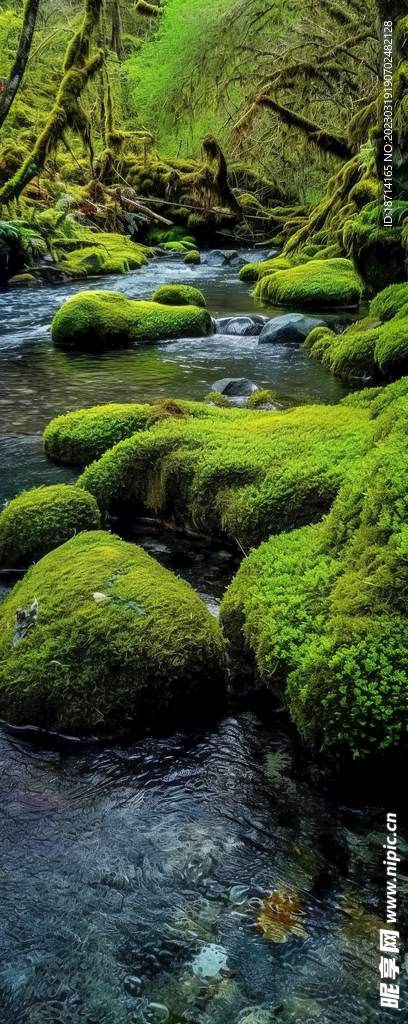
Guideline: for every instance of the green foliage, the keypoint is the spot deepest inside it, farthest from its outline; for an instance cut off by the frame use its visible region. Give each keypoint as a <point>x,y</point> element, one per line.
<point>39,520</point>
<point>314,285</point>
<point>324,609</point>
<point>117,637</point>
<point>80,437</point>
<point>239,472</point>
<point>178,295</point>
<point>96,320</point>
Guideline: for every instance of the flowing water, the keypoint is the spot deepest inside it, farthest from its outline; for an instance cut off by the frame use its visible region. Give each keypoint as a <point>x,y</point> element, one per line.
<point>210,878</point>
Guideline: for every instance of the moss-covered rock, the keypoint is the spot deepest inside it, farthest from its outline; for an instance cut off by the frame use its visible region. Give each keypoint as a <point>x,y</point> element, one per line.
<point>234,471</point>
<point>39,520</point>
<point>103,254</point>
<point>317,284</point>
<point>192,257</point>
<point>117,638</point>
<point>389,301</point>
<point>23,281</point>
<point>95,320</point>
<point>375,348</point>
<point>254,271</point>
<point>82,436</point>
<point>178,295</point>
<point>323,610</point>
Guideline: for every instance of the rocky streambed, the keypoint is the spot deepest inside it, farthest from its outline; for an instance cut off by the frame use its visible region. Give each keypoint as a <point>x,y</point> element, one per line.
<point>217,876</point>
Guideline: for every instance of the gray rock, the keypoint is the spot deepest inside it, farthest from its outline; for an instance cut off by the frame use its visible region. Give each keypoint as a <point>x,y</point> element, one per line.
<point>291,327</point>
<point>234,386</point>
<point>220,257</point>
<point>245,326</point>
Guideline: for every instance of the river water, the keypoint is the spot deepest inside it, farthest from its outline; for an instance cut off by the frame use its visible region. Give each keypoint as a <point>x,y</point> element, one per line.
<point>134,877</point>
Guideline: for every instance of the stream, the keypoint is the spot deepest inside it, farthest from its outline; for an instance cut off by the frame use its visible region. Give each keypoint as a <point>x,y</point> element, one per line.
<point>136,877</point>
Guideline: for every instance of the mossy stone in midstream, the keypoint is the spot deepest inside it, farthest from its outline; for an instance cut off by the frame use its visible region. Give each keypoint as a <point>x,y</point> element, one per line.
<point>93,320</point>
<point>39,520</point>
<point>179,295</point>
<point>317,284</point>
<point>117,639</point>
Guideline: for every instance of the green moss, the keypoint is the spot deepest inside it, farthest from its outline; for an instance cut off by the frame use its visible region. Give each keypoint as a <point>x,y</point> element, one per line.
<point>158,236</point>
<point>148,647</point>
<point>323,610</point>
<point>80,437</point>
<point>39,520</point>
<point>236,471</point>
<point>388,302</point>
<point>376,250</point>
<point>330,252</point>
<point>178,295</point>
<point>95,320</point>
<point>391,349</point>
<point>192,257</point>
<point>175,246</point>
<point>368,348</point>
<point>23,281</point>
<point>262,397</point>
<point>317,284</point>
<point>105,254</point>
<point>254,271</point>
<point>365,191</point>
<point>216,398</point>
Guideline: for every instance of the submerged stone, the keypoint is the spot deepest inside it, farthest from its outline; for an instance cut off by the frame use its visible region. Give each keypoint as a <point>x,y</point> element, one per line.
<point>149,648</point>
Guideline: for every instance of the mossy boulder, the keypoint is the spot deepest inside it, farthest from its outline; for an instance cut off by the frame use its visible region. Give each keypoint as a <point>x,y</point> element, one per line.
<point>317,284</point>
<point>389,301</point>
<point>102,254</point>
<point>178,295</point>
<point>41,519</point>
<point>216,398</point>
<point>117,639</point>
<point>95,320</point>
<point>82,436</point>
<point>192,257</point>
<point>323,609</point>
<point>23,281</point>
<point>375,348</point>
<point>233,472</point>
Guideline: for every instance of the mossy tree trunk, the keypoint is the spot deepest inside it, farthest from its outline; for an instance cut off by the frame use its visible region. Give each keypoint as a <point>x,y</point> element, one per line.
<point>24,46</point>
<point>67,112</point>
<point>117,30</point>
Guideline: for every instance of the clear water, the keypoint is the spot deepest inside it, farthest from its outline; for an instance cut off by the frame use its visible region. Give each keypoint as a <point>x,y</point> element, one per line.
<point>133,876</point>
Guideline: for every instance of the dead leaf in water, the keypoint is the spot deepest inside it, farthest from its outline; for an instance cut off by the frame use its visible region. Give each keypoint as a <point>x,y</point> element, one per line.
<point>280,916</point>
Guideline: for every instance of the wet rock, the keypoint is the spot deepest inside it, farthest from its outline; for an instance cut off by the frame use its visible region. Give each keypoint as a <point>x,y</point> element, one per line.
<point>235,387</point>
<point>221,257</point>
<point>244,326</point>
<point>291,327</point>
<point>23,281</point>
